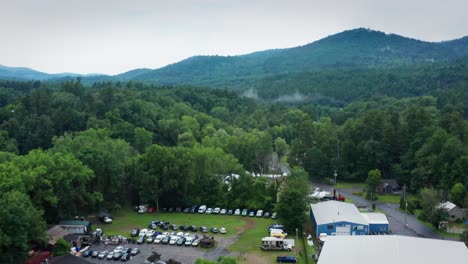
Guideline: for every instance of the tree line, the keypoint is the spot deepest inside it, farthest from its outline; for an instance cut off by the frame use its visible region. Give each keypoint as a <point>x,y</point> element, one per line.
<point>68,150</point>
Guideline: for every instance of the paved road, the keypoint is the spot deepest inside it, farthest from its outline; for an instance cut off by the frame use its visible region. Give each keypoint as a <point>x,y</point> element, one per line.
<point>395,217</point>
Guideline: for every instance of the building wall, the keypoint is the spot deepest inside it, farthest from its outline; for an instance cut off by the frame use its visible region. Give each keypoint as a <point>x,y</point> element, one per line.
<point>456,213</point>
<point>379,228</point>
<point>334,228</point>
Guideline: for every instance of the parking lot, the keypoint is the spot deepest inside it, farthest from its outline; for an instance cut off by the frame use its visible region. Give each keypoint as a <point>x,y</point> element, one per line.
<point>183,254</point>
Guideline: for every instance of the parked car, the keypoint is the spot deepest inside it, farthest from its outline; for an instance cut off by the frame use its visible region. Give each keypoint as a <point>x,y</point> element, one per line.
<point>252,214</point>
<point>214,230</point>
<point>196,242</point>
<point>266,215</point>
<point>150,233</point>
<point>286,259</point>
<point>171,210</point>
<point>180,234</point>
<point>184,228</point>
<point>107,220</point>
<point>87,253</point>
<point>178,210</point>
<point>237,212</point>
<point>103,254</point>
<point>275,226</point>
<point>164,226</point>
<point>143,232</point>
<point>166,240</point>
<point>118,255</point>
<point>259,213</point>
<point>209,211</point>
<point>189,240</point>
<point>244,212</point>
<point>158,239</point>
<point>135,251</point>
<point>125,257</point>
<point>110,256</point>
<point>174,227</point>
<point>273,215</point>
<point>216,210</point>
<point>150,239</point>
<point>194,209</point>
<point>126,250</point>
<point>202,209</point>
<point>118,249</point>
<point>142,209</point>
<point>186,210</point>
<point>203,229</point>
<point>181,241</point>
<point>223,211</point>
<point>135,232</point>
<point>193,228</point>
<point>173,240</point>
<point>229,212</point>
<point>222,230</point>
<point>140,240</point>
<point>95,254</point>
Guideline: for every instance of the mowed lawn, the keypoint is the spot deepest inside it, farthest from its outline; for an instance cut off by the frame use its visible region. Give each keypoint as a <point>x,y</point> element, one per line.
<point>249,231</point>
<point>127,220</point>
<point>250,240</point>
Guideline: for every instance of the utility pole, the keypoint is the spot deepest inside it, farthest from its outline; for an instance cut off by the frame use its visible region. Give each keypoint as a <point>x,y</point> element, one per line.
<point>336,175</point>
<point>406,203</point>
<point>295,244</point>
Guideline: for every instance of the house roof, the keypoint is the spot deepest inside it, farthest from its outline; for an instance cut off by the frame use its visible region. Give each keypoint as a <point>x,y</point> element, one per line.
<point>391,182</point>
<point>75,222</point>
<point>390,249</point>
<point>334,211</point>
<point>375,218</point>
<point>55,233</point>
<point>447,205</point>
<point>68,259</point>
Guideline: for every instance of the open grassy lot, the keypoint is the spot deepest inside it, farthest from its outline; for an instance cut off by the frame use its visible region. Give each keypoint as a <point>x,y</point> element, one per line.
<point>350,185</point>
<point>126,220</point>
<point>249,244</point>
<point>246,231</point>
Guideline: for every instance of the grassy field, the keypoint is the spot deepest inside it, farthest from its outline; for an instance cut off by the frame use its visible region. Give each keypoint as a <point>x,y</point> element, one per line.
<point>248,229</point>
<point>350,185</point>
<point>126,220</point>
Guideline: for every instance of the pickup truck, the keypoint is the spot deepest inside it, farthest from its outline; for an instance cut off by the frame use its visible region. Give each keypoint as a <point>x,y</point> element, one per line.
<point>286,259</point>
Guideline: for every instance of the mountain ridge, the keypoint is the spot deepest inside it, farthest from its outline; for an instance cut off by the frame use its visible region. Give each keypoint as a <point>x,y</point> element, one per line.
<point>359,47</point>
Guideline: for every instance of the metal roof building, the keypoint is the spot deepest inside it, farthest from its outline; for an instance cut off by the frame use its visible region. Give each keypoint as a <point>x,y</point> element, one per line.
<point>337,218</point>
<point>391,250</point>
<point>378,222</point>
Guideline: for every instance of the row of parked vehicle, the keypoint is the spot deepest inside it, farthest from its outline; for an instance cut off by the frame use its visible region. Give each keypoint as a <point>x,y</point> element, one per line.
<point>172,238</point>
<point>119,253</point>
<point>203,209</point>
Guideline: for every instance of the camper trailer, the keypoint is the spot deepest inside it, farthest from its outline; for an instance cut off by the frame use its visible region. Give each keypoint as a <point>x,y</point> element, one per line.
<point>274,243</point>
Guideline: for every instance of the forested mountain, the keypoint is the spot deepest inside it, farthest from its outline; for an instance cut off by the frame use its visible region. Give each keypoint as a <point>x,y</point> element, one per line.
<point>361,48</point>
<point>22,73</point>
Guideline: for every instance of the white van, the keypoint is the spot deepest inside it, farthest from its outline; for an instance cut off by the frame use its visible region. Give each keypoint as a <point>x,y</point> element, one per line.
<point>259,213</point>
<point>202,209</point>
<point>277,233</point>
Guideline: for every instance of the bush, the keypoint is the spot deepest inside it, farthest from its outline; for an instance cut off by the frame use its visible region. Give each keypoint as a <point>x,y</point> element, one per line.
<point>61,247</point>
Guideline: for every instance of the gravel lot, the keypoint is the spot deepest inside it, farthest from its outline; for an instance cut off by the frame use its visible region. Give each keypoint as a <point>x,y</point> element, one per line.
<point>182,254</point>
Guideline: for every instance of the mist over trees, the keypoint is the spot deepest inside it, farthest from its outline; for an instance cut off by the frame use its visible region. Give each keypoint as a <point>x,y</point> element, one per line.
<point>67,149</point>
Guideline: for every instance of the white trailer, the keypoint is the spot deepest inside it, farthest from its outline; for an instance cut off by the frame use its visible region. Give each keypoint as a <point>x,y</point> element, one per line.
<point>274,243</point>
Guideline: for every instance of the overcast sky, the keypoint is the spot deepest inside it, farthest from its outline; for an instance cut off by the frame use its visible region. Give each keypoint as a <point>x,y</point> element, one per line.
<point>114,36</point>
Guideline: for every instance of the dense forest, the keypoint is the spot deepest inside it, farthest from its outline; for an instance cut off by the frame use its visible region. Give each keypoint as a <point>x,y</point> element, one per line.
<point>68,149</point>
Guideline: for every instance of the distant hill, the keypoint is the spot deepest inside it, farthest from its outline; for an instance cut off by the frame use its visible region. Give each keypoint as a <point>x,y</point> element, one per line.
<point>22,73</point>
<point>356,48</point>
<point>352,49</point>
